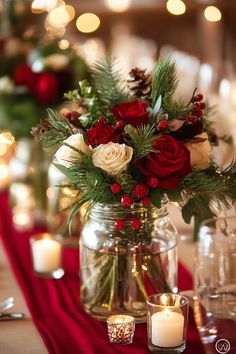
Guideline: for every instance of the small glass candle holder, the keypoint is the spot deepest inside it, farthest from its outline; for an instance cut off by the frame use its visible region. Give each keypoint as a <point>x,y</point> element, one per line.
<point>23,218</point>
<point>46,251</point>
<point>120,329</point>
<point>167,319</point>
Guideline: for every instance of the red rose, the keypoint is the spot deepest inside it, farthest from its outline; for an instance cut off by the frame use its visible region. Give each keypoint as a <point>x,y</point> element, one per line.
<point>23,75</point>
<point>168,164</point>
<point>133,113</point>
<point>46,88</point>
<point>101,134</point>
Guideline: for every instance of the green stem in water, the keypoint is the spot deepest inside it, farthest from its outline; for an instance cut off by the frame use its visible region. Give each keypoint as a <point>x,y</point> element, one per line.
<point>197,222</point>
<point>113,282</point>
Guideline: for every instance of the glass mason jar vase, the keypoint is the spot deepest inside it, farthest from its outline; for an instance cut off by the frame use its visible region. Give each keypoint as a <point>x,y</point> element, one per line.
<point>119,269</point>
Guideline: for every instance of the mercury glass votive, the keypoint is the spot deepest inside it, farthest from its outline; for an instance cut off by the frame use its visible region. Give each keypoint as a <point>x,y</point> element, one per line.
<point>46,251</point>
<point>167,319</point>
<point>120,329</point>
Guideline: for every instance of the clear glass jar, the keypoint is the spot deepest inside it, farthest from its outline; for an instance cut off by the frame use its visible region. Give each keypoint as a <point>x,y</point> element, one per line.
<point>120,269</point>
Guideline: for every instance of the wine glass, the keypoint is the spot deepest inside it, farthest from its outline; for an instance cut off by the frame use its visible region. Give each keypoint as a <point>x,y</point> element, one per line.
<point>215,285</point>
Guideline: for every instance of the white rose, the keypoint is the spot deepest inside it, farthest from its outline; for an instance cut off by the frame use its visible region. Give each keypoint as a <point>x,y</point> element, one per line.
<point>200,152</point>
<point>66,155</point>
<point>6,85</point>
<point>112,157</point>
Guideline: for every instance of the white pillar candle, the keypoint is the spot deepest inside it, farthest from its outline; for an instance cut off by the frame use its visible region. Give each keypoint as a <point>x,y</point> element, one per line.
<point>167,329</point>
<point>46,255</point>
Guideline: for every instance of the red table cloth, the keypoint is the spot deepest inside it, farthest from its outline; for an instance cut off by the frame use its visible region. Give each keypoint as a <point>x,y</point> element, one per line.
<point>55,306</point>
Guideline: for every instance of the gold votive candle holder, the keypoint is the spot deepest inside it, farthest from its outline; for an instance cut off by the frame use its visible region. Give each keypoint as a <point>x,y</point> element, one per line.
<point>121,329</point>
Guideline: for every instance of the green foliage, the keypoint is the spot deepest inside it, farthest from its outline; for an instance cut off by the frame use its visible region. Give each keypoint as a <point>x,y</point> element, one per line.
<point>58,130</point>
<point>126,182</point>
<point>107,83</point>
<point>164,81</point>
<point>156,196</point>
<point>202,190</point>
<point>18,114</point>
<point>92,182</point>
<point>141,139</point>
<point>175,109</point>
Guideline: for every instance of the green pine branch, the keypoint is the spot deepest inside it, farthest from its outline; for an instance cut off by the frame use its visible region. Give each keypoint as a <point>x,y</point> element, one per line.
<point>175,109</point>
<point>58,129</point>
<point>164,81</point>
<point>107,83</point>
<point>141,140</point>
<point>92,183</point>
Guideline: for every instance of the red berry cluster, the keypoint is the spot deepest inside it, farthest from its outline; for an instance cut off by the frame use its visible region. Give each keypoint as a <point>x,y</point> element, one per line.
<point>134,223</point>
<point>197,109</point>
<point>73,118</point>
<point>163,125</point>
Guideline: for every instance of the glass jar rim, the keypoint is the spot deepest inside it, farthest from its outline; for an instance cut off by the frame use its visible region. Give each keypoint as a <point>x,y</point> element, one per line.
<point>177,296</point>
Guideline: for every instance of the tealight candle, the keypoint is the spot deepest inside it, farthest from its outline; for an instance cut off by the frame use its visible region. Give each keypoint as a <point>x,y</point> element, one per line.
<point>46,254</point>
<point>167,322</point>
<point>120,329</point>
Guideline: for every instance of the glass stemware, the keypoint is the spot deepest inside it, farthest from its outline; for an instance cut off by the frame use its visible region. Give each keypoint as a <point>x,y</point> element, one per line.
<point>215,285</point>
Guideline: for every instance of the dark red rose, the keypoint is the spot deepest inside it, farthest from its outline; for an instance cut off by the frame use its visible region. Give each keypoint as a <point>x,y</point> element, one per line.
<point>23,75</point>
<point>133,113</point>
<point>46,89</point>
<point>168,164</point>
<point>101,134</point>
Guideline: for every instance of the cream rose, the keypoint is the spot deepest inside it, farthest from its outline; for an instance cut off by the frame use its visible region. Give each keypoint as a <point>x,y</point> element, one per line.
<point>112,157</point>
<point>66,155</point>
<point>200,152</point>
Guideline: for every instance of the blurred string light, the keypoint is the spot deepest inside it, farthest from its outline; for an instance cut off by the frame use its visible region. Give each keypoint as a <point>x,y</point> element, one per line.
<point>58,17</point>
<point>212,14</point>
<point>64,44</point>
<point>176,7</point>
<point>88,22</point>
<point>118,5</point>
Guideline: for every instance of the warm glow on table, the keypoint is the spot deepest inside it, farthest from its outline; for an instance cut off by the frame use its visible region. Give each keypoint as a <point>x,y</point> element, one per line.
<point>4,176</point>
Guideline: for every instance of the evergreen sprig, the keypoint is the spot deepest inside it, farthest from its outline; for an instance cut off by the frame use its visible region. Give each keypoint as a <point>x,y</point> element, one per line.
<point>58,129</point>
<point>107,83</point>
<point>141,139</point>
<point>164,80</point>
<point>92,183</point>
<point>175,109</point>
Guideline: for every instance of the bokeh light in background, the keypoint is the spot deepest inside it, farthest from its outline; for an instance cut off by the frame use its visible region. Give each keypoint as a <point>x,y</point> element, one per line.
<point>176,7</point>
<point>64,44</point>
<point>118,5</point>
<point>88,22</point>
<point>212,14</point>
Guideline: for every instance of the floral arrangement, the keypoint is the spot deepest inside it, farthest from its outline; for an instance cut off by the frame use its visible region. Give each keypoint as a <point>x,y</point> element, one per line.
<point>134,142</point>
<point>32,79</point>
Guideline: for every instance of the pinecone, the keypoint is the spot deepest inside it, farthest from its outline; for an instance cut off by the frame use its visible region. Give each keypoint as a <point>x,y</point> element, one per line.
<point>140,83</point>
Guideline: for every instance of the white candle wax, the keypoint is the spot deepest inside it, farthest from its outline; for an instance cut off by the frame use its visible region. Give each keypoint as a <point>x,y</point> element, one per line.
<point>167,329</point>
<point>46,255</point>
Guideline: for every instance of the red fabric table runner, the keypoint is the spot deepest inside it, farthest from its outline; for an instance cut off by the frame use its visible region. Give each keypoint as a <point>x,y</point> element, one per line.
<point>55,306</point>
